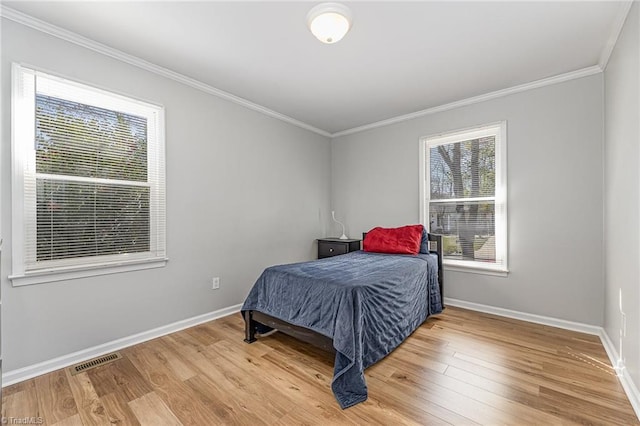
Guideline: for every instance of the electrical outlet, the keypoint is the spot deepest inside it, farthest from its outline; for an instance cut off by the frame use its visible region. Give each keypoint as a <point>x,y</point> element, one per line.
<point>215,283</point>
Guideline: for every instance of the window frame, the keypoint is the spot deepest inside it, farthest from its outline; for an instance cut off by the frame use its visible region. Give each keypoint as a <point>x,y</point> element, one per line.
<point>499,130</point>
<point>23,179</point>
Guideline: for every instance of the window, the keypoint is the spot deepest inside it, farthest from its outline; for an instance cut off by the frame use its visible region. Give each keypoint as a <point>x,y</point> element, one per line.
<point>464,196</point>
<point>88,180</point>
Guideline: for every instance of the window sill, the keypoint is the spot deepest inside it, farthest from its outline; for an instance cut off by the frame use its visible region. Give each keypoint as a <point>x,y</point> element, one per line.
<point>40,277</point>
<point>483,270</point>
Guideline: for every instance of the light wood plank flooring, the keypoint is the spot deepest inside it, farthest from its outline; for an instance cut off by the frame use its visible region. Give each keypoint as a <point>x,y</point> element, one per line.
<point>459,368</point>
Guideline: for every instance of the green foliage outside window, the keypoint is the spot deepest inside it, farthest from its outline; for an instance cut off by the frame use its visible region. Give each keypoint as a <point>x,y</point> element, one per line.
<point>78,216</point>
<point>460,171</point>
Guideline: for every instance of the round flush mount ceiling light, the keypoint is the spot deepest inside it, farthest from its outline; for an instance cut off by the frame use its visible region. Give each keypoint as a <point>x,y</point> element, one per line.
<point>329,22</point>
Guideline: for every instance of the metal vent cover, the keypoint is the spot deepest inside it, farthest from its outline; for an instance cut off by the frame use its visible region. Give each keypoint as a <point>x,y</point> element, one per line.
<point>95,362</point>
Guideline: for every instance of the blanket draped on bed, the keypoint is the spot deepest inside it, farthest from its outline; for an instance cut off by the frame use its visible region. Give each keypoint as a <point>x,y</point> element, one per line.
<point>368,303</point>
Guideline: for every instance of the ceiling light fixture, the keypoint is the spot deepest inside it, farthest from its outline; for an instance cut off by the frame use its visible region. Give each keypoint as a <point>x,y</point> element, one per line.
<point>329,22</point>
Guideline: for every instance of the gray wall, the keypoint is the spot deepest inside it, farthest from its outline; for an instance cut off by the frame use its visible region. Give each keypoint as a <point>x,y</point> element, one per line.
<point>554,146</point>
<point>244,191</point>
<point>241,185</point>
<point>622,192</point>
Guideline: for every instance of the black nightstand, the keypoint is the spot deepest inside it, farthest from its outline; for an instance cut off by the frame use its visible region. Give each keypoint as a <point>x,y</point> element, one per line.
<point>328,247</point>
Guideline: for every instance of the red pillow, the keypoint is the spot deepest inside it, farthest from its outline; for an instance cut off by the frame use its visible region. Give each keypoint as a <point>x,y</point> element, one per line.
<point>402,240</point>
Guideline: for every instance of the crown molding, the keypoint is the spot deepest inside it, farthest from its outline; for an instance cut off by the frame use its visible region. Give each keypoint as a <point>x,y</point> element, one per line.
<point>621,17</point>
<point>61,33</point>
<point>75,38</point>
<point>584,72</point>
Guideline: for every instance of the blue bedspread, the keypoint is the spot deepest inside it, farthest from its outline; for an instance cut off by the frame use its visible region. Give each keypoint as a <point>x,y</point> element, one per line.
<point>368,303</point>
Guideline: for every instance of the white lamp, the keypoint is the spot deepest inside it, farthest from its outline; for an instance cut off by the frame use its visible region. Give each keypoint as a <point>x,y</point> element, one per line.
<point>343,236</point>
<point>329,22</point>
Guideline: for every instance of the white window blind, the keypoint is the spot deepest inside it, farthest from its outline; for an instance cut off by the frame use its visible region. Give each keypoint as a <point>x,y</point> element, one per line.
<point>464,196</point>
<point>89,185</point>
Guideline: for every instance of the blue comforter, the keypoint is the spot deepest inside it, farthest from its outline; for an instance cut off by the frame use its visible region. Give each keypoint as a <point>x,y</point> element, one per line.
<point>368,303</point>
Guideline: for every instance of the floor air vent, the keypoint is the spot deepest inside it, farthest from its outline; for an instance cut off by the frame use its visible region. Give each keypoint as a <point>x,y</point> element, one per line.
<point>96,362</point>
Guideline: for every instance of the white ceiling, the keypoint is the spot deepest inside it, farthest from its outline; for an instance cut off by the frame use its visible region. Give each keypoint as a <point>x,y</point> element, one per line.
<point>399,57</point>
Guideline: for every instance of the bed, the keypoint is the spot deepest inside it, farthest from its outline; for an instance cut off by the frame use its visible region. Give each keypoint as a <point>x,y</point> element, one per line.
<point>360,305</point>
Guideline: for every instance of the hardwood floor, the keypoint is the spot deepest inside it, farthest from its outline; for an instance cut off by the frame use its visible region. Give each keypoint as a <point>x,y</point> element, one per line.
<point>459,368</point>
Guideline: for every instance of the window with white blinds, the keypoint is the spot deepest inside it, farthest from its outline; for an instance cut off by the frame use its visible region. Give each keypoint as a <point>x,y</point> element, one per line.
<point>464,196</point>
<point>88,179</point>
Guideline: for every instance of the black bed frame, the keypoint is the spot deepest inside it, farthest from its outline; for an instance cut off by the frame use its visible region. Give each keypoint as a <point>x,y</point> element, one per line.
<point>252,318</point>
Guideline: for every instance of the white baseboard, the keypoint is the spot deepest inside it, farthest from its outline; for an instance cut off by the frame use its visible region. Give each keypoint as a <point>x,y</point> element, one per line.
<point>25,373</point>
<point>538,319</point>
<point>628,385</point>
<point>611,351</point>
